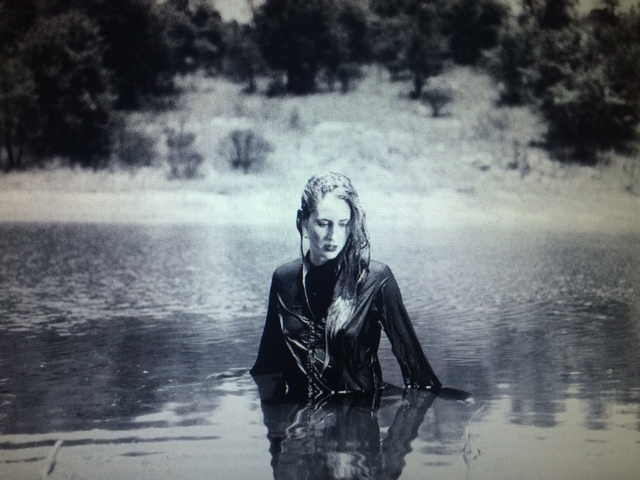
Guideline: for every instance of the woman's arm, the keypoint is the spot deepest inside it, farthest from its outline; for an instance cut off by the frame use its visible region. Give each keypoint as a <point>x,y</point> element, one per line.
<point>272,351</point>
<point>415,367</point>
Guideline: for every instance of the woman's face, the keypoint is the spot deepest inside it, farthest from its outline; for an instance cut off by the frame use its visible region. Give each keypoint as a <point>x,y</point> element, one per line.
<point>328,228</point>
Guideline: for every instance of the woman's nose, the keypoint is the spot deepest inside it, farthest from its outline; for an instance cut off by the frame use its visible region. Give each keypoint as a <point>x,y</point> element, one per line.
<point>330,232</point>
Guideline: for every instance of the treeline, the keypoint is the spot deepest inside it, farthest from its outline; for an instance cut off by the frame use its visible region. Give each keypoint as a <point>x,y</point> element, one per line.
<point>68,68</point>
<point>581,73</point>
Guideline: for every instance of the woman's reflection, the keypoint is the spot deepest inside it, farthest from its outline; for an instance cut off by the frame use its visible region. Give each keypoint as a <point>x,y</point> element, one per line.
<point>340,438</point>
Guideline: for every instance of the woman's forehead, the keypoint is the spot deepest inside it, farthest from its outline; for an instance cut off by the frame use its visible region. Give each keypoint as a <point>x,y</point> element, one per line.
<point>330,206</point>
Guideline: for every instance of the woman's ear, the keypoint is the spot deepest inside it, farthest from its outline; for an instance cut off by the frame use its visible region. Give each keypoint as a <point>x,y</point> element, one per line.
<point>300,223</point>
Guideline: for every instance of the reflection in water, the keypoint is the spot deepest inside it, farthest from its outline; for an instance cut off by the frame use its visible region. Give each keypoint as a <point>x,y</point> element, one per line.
<point>590,353</point>
<point>340,438</point>
<point>104,374</point>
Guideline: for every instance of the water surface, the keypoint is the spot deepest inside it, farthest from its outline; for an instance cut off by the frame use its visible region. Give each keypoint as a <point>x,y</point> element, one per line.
<point>131,344</point>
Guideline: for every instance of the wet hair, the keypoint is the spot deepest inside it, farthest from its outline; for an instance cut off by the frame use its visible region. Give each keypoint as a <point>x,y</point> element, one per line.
<point>354,258</point>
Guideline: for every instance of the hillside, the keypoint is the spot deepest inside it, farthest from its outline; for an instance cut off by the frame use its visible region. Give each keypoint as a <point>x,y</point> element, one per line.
<point>472,165</point>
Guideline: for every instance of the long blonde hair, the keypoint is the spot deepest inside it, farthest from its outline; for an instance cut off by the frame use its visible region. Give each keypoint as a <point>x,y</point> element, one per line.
<point>355,258</point>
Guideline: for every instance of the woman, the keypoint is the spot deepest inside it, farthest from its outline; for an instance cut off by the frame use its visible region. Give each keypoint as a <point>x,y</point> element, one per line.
<point>326,309</point>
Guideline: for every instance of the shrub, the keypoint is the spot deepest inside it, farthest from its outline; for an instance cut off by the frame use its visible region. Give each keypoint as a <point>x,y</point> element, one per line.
<point>295,120</point>
<point>520,159</point>
<point>245,150</point>
<point>134,148</point>
<point>184,161</point>
<point>437,98</point>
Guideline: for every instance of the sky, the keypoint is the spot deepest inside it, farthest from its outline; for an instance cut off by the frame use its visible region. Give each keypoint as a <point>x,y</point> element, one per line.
<point>235,9</point>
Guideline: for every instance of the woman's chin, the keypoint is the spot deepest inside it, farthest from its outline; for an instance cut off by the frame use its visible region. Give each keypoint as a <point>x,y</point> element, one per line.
<point>324,256</point>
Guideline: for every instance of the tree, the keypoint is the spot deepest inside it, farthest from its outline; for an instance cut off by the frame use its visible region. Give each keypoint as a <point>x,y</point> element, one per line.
<point>607,14</point>
<point>348,44</point>
<point>303,38</point>
<point>195,34</point>
<point>582,76</point>
<point>243,58</point>
<point>180,35</point>
<point>17,98</point>
<point>70,94</point>
<point>293,36</point>
<point>591,97</point>
<point>473,26</point>
<point>589,117</point>
<point>526,61</point>
<point>18,110</point>
<point>549,14</point>
<point>209,44</point>
<point>66,64</point>
<point>426,48</point>
<point>513,63</point>
<point>584,113</point>
<point>414,41</point>
<point>558,14</point>
<point>137,50</point>
<point>16,17</point>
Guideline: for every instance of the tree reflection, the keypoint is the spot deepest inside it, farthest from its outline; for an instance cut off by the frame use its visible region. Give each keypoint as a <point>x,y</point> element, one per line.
<point>588,351</point>
<point>340,437</point>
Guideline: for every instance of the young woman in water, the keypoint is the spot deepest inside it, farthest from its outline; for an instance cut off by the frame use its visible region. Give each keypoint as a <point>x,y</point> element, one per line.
<point>327,309</point>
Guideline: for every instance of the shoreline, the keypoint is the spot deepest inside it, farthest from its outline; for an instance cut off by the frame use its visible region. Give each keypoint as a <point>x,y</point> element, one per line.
<point>439,209</point>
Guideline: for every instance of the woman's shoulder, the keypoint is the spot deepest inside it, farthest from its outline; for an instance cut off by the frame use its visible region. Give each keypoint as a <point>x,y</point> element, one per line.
<point>379,269</point>
<point>288,270</point>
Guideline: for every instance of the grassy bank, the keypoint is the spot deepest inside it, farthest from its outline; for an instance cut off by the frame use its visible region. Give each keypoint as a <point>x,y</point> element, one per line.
<point>472,165</point>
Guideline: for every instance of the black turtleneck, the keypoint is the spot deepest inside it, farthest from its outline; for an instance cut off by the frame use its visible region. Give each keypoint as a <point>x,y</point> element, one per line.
<point>320,283</point>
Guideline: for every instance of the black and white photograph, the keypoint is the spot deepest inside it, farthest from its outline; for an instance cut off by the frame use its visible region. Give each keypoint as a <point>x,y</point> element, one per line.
<point>319,239</point>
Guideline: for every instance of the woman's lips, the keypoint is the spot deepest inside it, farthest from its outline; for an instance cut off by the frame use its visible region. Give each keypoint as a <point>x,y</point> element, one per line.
<point>330,248</point>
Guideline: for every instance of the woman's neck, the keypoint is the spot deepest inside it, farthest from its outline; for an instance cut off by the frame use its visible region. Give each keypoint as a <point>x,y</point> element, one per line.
<point>328,266</point>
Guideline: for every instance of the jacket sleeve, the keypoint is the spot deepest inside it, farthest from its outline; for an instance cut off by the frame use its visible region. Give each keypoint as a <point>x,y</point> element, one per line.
<point>272,350</point>
<point>415,367</point>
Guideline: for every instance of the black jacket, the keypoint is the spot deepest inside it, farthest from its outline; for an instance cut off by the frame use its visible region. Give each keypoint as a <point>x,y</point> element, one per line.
<point>293,341</point>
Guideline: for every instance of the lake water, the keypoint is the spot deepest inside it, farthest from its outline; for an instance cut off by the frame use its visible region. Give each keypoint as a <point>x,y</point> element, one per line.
<point>131,344</point>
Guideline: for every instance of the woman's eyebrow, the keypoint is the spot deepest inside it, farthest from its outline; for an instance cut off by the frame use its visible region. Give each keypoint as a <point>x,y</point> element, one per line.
<point>320,219</point>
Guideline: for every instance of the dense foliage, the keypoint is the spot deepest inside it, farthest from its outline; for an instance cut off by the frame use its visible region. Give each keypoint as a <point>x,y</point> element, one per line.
<point>67,67</point>
<point>302,39</point>
<point>581,73</point>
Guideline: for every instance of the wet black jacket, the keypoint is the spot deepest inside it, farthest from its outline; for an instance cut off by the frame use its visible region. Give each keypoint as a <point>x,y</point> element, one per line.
<point>293,341</point>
